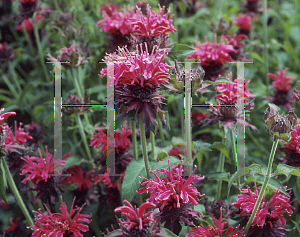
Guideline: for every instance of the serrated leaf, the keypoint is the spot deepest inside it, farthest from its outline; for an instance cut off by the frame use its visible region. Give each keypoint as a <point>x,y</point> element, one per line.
<point>3,183</point>
<point>131,183</point>
<point>221,147</point>
<point>219,176</point>
<point>287,170</point>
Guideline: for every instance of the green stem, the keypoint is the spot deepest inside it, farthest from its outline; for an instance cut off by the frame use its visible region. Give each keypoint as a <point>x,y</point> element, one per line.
<point>266,62</point>
<point>57,6</point>
<point>77,84</point>
<point>83,136</point>
<point>143,136</point>
<point>40,205</point>
<point>182,124</point>
<point>14,76</point>
<point>188,132</point>
<point>234,152</point>
<point>257,142</point>
<point>264,186</point>
<point>40,50</point>
<point>152,145</point>
<point>16,193</point>
<point>221,169</point>
<point>134,142</point>
<point>161,132</point>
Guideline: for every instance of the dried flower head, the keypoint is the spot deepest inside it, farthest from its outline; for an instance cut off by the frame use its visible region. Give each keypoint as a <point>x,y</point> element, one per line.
<point>73,104</point>
<point>279,126</point>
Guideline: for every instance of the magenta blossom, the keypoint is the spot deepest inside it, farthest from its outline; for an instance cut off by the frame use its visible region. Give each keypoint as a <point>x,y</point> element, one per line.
<point>243,21</point>
<point>218,230</point>
<point>213,56</point>
<point>269,213</point>
<point>4,116</point>
<point>137,78</point>
<point>61,224</point>
<point>20,136</point>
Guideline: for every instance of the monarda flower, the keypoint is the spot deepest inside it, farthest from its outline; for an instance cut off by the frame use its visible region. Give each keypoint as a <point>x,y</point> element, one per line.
<point>235,41</point>
<point>282,89</point>
<point>36,132</point>
<point>218,230</point>
<point>269,220</point>
<point>71,55</point>
<point>217,207</point>
<point>152,29</point>
<point>62,224</point>
<point>198,117</point>
<point>117,24</point>
<point>226,111</point>
<point>174,196</point>
<point>137,79</point>
<point>28,7</point>
<point>16,228</point>
<point>292,149</point>
<point>243,21</point>
<point>136,223</point>
<point>41,172</point>
<point>212,57</point>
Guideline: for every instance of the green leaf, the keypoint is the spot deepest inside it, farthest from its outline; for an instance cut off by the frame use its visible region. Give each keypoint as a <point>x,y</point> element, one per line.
<point>3,183</point>
<point>287,170</point>
<point>166,233</point>
<point>219,176</point>
<point>134,171</point>
<point>235,176</point>
<point>221,147</point>
<point>201,146</point>
<point>180,50</point>
<point>116,233</point>
<point>257,57</point>
<point>177,141</point>
<point>69,186</point>
<point>223,80</point>
<point>182,7</point>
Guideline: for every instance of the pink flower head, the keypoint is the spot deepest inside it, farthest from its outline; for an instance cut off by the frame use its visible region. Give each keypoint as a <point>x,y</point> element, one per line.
<point>20,136</point>
<point>294,143</point>
<point>229,91</point>
<point>218,230</point>
<point>136,221</point>
<point>4,116</point>
<point>172,191</point>
<point>235,41</point>
<point>212,53</point>
<point>269,212</point>
<point>198,117</point>
<point>13,225</point>
<point>78,177</point>
<point>107,181</point>
<point>281,82</point>
<point>244,21</point>
<point>154,24</point>
<point>121,139</point>
<point>137,76</point>
<point>28,25</point>
<point>61,224</point>
<point>38,169</point>
<point>116,22</point>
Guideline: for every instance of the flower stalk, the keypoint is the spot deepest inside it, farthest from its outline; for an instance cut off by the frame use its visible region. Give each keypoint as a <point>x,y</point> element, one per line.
<point>16,193</point>
<point>152,145</point>
<point>143,136</point>
<point>134,141</point>
<point>78,120</point>
<point>161,132</point>
<point>221,169</point>
<point>187,111</point>
<point>264,186</point>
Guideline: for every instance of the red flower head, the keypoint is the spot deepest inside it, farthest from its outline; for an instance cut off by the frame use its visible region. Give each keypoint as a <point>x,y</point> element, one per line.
<point>209,230</point>
<point>244,23</point>
<point>292,149</point>
<point>137,78</point>
<point>282,89</point>
<point>28,7</point>
<point>78,177</point>
<point>137,222</point>
<point>237,45</point>
<point>212,56</point>
<point>61,224</point>
<point>153,28</point>
<point>174,196</point>
<point>198,117</point>
<point>38,169</point>
<point>281,82</point>
<point>20,136</point>
<point>14,225</point>
<point>177,150</point>
<point>27,24</point>
<point>226,112</point>
<point>269,213</point>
